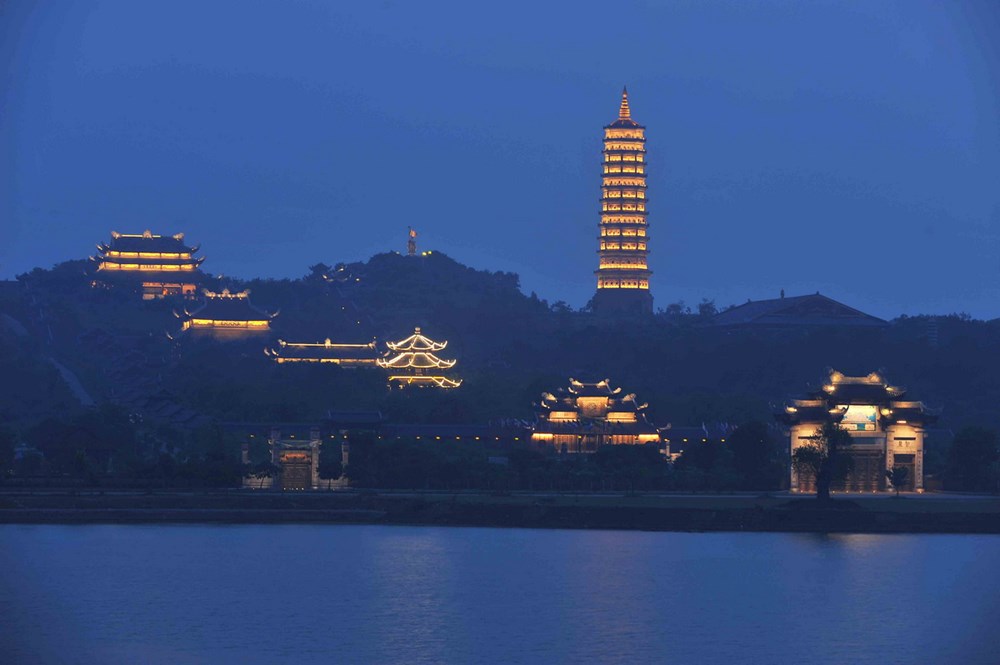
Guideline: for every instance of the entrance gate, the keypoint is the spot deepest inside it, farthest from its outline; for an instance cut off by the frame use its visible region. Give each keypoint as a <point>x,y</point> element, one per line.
<point>296,471</point>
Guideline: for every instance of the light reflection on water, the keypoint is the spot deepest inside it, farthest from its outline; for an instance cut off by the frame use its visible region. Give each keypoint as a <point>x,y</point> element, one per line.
<point>371,594</point>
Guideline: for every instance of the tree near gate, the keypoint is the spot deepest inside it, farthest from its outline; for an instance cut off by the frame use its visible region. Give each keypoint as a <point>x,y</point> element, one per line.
<point>897,477</point>
<point>825,459</point>
<point>755,457</point>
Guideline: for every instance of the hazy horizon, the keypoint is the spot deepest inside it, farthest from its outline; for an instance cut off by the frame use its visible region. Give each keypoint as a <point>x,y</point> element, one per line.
<point>851,149</point>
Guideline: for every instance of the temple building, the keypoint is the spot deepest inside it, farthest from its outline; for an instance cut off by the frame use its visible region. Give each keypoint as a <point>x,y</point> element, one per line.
<point>623,273</point>
<point>413,361</point>
<point>807,312</point>
<point>293,462</point>
<point>887,430</point>
<point>155,265</point>
<point>345,355</point>
<point>585,416</point>
<point>226,314</point>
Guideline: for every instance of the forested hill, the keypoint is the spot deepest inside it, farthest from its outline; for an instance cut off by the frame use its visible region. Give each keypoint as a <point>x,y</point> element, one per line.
<point>509,346</point>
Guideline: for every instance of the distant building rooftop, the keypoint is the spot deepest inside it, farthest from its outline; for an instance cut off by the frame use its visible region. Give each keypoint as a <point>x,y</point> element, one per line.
<point>810,310</point>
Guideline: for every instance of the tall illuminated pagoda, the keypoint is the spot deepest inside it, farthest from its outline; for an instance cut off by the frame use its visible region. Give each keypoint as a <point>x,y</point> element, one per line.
<point>412,361</point>
<point>623,272</point>
<point>156,265</point>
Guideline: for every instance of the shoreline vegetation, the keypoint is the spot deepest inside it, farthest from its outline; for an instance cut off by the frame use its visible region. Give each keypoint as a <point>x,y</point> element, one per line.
<point>778,512</point>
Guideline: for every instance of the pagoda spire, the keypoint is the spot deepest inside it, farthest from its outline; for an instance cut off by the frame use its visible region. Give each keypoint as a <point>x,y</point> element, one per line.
<point>623,111</point>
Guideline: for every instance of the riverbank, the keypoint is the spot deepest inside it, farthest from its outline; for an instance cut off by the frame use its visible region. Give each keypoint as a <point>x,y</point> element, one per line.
<point>854,514</point>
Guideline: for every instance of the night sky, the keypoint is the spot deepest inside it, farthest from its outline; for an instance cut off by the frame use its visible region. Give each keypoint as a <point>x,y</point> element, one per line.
<point>847,147</point>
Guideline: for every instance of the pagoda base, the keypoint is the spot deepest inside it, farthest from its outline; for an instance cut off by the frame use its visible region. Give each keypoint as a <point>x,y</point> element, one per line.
<point>615,302</point>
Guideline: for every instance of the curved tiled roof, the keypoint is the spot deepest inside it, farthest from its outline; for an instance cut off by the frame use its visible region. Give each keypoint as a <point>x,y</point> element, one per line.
<point>814,309</point>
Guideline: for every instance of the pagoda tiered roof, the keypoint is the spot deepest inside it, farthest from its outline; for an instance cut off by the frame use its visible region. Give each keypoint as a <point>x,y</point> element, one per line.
<point>587,414</point>
<point>413,360</point>
<point>839,392</point>
<point>614,400</point>
<point>418,360</point>
<point>417,342</point>
<point>869,389</point>
<point>148,242</point>
<point>161,265</point>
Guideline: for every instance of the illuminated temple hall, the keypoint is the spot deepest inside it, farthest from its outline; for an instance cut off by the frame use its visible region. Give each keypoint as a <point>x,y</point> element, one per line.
<point>886,429</point>
<point>158,266</point>
<point>413,361</point>
<point>623,272</point>
<point>227,314</point>
<point>345,355</point>
<point>585,416</point>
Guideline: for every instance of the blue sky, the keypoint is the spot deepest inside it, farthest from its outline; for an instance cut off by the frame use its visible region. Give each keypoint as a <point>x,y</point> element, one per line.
<point>847,147</point>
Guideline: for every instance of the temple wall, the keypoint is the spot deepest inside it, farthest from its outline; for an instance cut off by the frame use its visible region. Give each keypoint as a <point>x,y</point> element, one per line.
<point>799,435</point>
<point>903,441</point>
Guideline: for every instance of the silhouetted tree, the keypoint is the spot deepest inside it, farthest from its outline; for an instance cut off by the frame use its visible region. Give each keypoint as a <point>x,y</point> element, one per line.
<point>754,456</point>
<point>972,460</point>
<point>676,310</point>
<point>318,272</point>
<point>7,440</point>
<point>264,470</point>
<point>706,465</point>
<point>561,307</point>
<point>824,459</point>
<point>706,309</point>
<point>897,477</point>
<point>330,457</point>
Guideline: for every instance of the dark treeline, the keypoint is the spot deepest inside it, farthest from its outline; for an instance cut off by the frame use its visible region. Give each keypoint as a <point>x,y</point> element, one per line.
<point>752,462</point>
<point>107,446</point>
<point>510,347</point>
<point>103,447</point>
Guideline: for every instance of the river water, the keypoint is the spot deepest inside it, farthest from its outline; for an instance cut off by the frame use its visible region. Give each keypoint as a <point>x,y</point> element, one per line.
<point>384,594</point>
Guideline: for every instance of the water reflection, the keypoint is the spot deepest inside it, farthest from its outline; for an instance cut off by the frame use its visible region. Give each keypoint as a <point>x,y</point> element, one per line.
<point>402,595</point>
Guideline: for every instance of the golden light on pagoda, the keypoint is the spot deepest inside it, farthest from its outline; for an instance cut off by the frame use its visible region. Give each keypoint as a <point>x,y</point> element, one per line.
<point>623,271</point>
<point>159,265</point>
<point>414,361</point>
<point>586,415</point>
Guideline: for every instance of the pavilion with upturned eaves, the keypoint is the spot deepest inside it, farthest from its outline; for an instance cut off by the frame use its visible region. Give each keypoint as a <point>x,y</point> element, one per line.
<point>227,314</point>
<point>157,266</point>
<point>414,362</point>
<point>587,415</point>
<point>887,430</point>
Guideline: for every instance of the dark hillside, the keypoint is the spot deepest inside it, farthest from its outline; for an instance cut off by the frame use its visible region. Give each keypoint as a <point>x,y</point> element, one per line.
<point>509,346</point>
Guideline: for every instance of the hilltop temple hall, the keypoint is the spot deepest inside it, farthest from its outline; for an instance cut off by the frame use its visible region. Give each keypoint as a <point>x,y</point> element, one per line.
<point>157,266</point>
<point>226,315</point>
<point>887,430</point>
<point>586,415</point>
<point>623,273</point>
